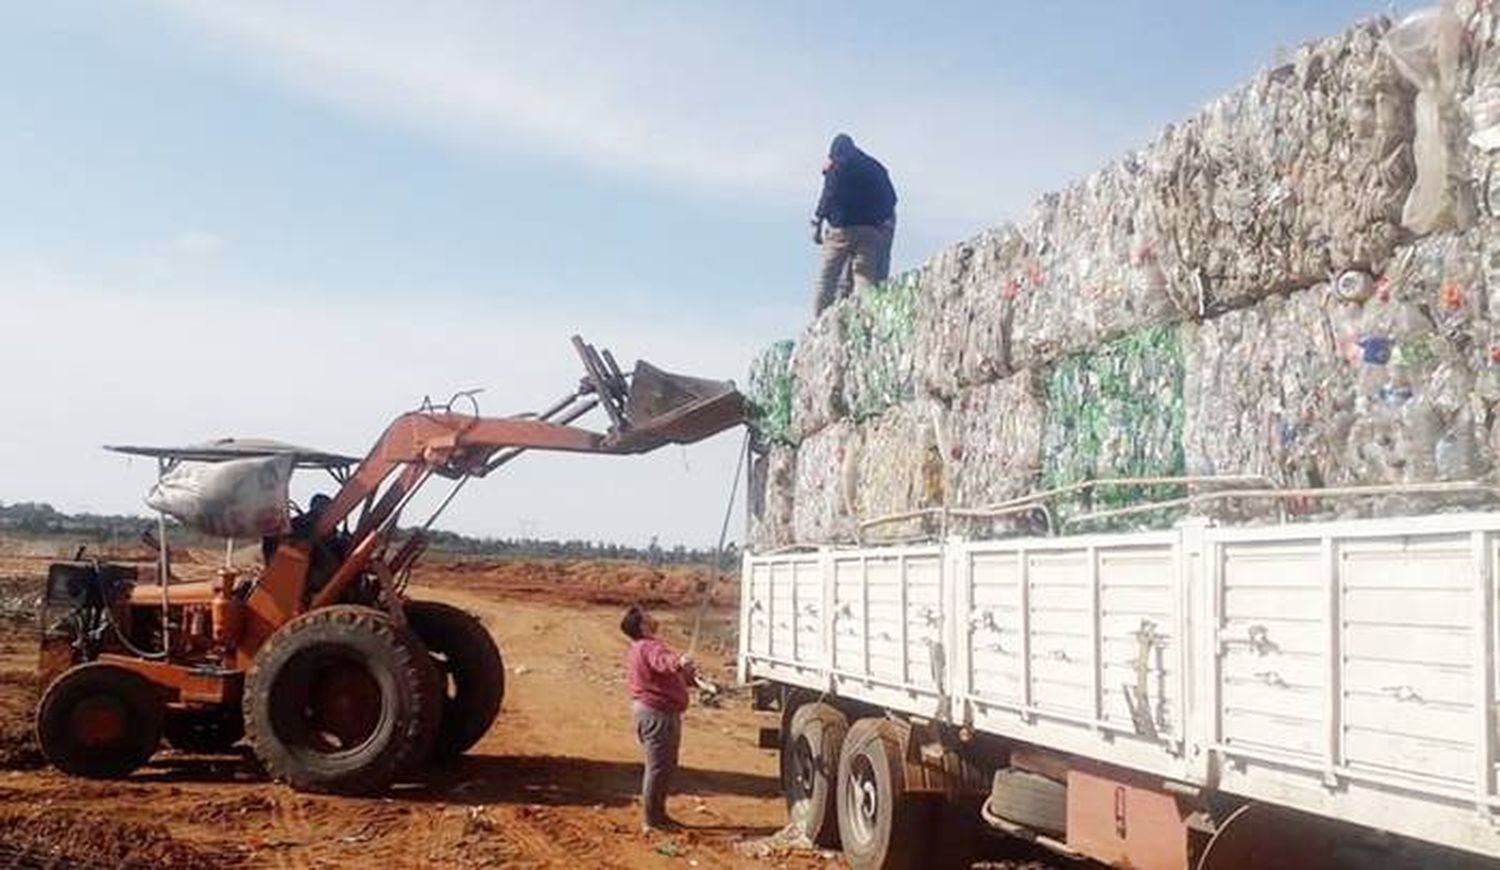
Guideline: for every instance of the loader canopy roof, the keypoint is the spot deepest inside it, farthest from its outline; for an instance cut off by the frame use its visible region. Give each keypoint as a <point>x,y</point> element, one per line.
<point>222,449</point>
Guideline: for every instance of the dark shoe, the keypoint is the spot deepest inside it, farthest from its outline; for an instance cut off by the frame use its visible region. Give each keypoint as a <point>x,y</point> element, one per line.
<point>663,825</point>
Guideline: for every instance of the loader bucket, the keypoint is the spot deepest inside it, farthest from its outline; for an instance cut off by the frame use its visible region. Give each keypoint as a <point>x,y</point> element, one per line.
<point>663,408</point>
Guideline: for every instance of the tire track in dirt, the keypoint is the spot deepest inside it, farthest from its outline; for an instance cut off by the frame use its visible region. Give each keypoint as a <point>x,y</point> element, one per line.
<point>550,839</point>
<point>291,827</point>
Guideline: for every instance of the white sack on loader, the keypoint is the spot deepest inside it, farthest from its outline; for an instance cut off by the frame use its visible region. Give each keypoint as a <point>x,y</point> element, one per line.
<point>241,498</point>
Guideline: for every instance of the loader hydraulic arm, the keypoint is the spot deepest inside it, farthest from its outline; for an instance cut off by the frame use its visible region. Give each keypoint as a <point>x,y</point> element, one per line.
<point>446,443</point>
<point>647,409</point>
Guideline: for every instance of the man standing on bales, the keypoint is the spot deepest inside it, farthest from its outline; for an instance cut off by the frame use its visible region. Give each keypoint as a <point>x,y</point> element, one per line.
<point>658,679</point>
<point>859,206</point>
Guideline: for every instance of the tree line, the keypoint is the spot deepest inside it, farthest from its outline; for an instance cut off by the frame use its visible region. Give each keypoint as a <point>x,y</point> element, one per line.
<point>40,518</point>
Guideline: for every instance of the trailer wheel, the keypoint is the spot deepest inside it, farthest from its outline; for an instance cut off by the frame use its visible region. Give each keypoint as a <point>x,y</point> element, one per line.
<point>336,701</point>
<point>473,674</point>
<point>99,720</point>
<point>809,771</point>
<point>207,730</point>
<point>880,825</point>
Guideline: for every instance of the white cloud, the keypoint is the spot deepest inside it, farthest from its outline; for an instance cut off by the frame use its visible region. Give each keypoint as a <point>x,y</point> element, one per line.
<point>88,362</point>
<point>708,98</point>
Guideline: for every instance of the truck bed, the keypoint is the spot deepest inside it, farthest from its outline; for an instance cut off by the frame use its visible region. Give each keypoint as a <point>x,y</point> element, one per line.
<point>1341,668</point>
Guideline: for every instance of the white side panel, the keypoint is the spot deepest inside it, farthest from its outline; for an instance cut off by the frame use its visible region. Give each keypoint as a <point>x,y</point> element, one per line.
<point>782,603</point>
<point>888,626</point>
<point>1344,668</point>
<point>1355,672</point>
<point>1077,645</point>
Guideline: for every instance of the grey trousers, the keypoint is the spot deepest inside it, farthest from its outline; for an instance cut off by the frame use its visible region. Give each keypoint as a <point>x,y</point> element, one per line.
<point>860,253</point>
<point>660,735</point>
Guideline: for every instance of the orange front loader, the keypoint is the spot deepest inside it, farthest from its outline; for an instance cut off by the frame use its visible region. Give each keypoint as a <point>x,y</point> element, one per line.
<point>338,681</point>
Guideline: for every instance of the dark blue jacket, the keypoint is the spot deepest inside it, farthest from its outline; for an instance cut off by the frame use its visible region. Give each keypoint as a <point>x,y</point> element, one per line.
<point>857,191</point>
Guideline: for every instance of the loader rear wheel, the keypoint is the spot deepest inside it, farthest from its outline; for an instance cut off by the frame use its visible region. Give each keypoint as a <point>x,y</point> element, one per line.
<point>472,670</point>
<point>337,701</point>
<point>99,720</point>
<point>809,771</point>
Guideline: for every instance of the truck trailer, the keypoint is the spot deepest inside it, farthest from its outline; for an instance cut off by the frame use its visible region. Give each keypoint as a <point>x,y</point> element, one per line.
<point>1301,694</point>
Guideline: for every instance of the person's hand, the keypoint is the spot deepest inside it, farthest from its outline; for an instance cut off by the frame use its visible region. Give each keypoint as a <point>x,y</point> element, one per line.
<point>684,661</point>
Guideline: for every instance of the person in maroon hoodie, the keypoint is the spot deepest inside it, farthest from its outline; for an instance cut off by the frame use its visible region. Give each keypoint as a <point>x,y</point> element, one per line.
<point>658,678</point>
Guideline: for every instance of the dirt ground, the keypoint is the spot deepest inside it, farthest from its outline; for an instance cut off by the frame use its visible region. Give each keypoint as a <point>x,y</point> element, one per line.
<point>553,784</point>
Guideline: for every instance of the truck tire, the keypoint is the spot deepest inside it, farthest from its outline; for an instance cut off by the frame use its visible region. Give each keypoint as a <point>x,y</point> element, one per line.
<point>810,749</point>
<point>336,701</point>
<point>99,720</point>
<point>1030,800</point>
<point>880,825</point>
<point>471,670</point>
<point>205,730</point>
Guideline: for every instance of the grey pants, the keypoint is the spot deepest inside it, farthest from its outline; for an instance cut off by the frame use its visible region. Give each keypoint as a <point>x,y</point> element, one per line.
<point>660,735</point>
<point>860,253</point>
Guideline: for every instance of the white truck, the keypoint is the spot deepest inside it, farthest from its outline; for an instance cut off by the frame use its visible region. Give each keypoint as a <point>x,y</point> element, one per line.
<point>1298,695</point>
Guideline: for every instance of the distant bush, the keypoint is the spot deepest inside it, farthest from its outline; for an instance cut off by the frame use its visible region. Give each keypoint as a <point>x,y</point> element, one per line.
<point>40,518</point>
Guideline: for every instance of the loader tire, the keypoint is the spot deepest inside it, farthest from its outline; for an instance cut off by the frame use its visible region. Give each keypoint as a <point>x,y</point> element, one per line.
<point>472,671</point>
<point>336,701</point>
<point>206,730</point>
<point>99,720</point>
<point>809,771</point>
<point>881,825</point>
<point>432,707</point>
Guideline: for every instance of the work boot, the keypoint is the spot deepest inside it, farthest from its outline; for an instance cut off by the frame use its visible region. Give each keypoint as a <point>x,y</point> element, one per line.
<point>663,825</point>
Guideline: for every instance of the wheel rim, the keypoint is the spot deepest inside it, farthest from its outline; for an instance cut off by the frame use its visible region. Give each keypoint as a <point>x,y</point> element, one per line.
<point>447,672</point>
<point>863,808</point>
<point>97,721</point>
<point>333,707</point>
<point>804,768</point>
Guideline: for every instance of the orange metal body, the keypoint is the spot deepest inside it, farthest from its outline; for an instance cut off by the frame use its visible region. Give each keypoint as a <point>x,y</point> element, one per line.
<point>212,630</point>
<point>184,684</point>
<point>414,447</point>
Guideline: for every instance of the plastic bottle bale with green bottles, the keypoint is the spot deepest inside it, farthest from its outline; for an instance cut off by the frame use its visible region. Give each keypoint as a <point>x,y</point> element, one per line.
<point>769,388</point>
<point>1090,269</point>
<point>878,332</point>
<point>1116,412</point>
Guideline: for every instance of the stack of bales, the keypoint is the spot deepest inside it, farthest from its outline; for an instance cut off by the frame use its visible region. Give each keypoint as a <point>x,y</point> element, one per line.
<point>1293,284</point>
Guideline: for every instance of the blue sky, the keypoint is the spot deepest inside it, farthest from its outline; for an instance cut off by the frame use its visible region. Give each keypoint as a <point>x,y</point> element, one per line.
<point>295,219</point>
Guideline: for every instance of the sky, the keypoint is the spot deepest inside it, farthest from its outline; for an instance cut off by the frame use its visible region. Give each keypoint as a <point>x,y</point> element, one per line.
<point>297,219</point>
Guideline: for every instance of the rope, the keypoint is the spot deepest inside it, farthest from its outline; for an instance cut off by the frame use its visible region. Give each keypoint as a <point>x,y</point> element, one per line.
<point>708,588</point>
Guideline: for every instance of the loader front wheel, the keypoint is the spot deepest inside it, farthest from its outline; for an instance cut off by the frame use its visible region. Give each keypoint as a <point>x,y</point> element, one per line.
<point>472,671</point>
<point>99,720</point>
<point>336,701</point>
